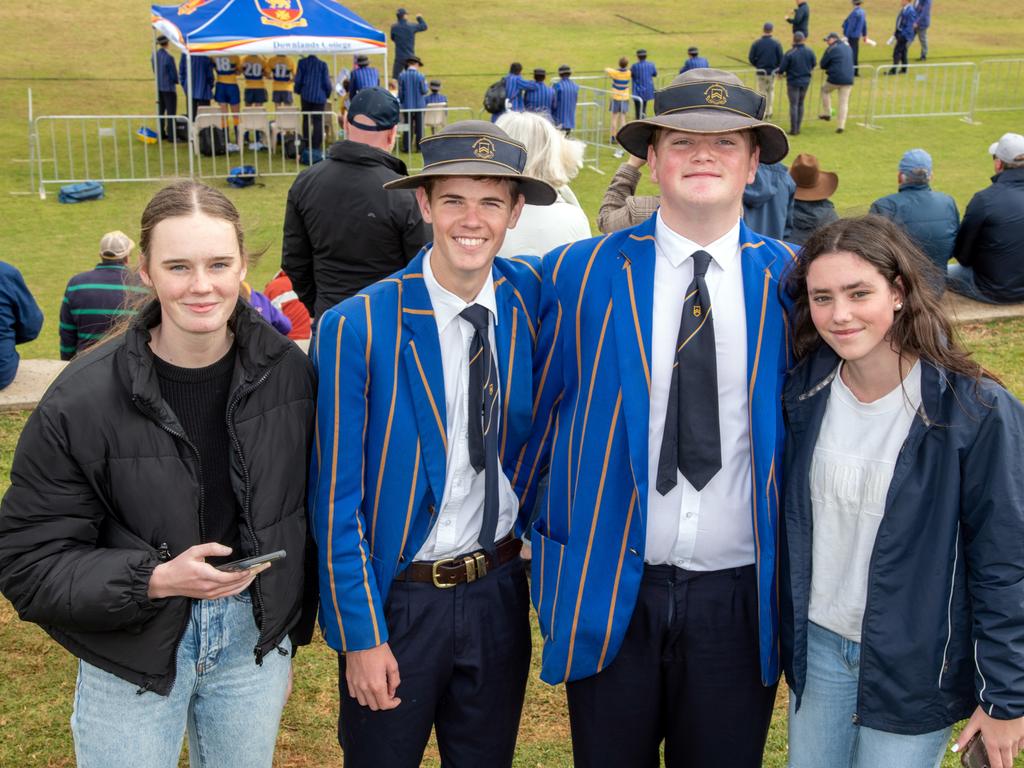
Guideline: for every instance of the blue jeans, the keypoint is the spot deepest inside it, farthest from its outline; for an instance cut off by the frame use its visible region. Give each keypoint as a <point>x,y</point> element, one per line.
<point>960,279</point>
<point>822,731</point>
<point>230,707</point>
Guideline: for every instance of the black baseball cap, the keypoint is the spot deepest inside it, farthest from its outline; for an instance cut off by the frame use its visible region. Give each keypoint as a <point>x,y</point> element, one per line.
<point>642,53</point>
<point>376,106</point>
<point>435,83</point>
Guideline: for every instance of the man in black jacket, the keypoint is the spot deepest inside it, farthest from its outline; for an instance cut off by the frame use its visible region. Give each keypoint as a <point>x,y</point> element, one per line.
<point>797,66</point>
<point>342,230</point>
<point>766,57</point>
<point>988,245</point>
<point>839,73</point>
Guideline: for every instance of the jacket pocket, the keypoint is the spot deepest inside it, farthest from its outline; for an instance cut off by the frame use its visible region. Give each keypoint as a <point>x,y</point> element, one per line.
<point>116,535</point>
<point>548,557</point>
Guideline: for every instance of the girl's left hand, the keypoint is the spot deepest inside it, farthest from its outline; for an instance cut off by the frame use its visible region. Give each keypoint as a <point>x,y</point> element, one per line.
<point>1004,739</point>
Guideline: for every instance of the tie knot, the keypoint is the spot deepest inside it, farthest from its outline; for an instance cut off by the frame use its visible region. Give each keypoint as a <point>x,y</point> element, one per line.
<point>701,262</point>
<point>478,316</point>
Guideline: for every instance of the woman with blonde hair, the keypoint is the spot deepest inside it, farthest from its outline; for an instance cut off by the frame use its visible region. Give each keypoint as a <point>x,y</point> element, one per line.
<point>556,159</point>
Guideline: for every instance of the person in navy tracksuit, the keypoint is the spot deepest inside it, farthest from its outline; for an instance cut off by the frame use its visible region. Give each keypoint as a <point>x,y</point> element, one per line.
<point>904,33</point>
<point>797,65</point>
<point>313,84</point>
<point>203,75</point>
<point>902,577</point>
<point>167,88</point>
<point>567,93</point>
<point>643,73</point>
<point>412,92</point>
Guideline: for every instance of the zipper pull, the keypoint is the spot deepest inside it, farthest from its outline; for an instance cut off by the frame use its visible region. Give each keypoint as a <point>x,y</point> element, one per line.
<point>163,553</point>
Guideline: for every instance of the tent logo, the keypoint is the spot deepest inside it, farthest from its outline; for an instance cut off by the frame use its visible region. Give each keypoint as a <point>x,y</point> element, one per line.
<point>286,14</point>
<point>191,6</point>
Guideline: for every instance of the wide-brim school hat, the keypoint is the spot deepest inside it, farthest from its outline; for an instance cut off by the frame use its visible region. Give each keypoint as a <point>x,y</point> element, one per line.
<point>476,148</point>
<point>707,101</point>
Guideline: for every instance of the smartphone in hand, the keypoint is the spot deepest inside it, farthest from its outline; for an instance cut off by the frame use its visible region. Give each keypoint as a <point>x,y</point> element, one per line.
<point>246,563</point>
<point>975,755</point>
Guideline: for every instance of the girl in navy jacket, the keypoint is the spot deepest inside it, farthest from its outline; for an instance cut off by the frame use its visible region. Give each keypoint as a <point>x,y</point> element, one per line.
<point>902,556</point>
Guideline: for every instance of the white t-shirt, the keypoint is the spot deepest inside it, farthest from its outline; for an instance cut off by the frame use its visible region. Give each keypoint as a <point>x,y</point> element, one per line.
<point>852,468</point>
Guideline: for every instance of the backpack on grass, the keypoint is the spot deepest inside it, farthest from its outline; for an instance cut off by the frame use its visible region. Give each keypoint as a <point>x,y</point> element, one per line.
<point>79,193</point>
<point>242,176</point>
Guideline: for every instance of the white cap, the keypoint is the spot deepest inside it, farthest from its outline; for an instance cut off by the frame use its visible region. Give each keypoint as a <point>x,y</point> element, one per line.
<point>116,245</point>
<point>1009,149</point>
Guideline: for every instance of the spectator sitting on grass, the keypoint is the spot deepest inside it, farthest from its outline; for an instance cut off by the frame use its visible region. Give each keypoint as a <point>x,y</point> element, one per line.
<point>96,300</point>
<point>930,218</point>
<point>991,235</point>
<point>20,320</point>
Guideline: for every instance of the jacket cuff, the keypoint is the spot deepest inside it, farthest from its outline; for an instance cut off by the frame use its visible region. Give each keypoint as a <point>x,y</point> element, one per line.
<point>139,590</point>
<point>627,171</point>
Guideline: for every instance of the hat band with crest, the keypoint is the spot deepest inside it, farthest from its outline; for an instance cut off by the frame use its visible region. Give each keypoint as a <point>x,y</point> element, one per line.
<point>443,149</point>
<point>705,95</point>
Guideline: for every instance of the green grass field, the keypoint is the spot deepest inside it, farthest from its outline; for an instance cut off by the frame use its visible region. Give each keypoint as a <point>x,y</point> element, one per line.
<point>92,58</point>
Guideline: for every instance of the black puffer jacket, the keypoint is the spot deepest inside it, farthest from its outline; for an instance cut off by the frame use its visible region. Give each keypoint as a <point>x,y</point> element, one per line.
<point>104,486</point>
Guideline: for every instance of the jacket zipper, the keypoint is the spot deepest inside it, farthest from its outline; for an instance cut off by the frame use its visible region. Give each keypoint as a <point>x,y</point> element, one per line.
<point>904,451</point>
<point>246,518</point>
<point>164,552</point>
<point>949,604</point>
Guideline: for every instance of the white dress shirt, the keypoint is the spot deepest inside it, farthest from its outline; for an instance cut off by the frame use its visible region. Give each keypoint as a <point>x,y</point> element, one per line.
<point>710,529</point>
<point>461,511</point>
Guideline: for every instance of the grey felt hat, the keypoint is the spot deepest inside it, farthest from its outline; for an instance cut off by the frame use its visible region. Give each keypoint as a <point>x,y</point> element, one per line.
<point>476,148</point>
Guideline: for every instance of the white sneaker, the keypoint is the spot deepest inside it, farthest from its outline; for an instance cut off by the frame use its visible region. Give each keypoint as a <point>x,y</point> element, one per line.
<point>617,153</point>
<point>233,147</point>
<point>254,146</point>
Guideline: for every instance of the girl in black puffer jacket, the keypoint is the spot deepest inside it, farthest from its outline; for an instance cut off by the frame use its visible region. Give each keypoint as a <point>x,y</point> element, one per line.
<point>180,444</point>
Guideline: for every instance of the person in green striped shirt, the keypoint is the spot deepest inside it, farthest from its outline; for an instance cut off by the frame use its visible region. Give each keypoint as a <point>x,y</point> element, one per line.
<point>98,299</point>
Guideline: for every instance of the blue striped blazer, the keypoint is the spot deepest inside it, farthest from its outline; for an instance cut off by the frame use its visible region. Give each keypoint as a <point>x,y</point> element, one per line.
<point>378,469</point>
<point>591,415</point>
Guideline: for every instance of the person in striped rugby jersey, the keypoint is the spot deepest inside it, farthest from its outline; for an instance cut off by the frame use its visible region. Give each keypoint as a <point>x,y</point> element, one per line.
<point>96,300</point>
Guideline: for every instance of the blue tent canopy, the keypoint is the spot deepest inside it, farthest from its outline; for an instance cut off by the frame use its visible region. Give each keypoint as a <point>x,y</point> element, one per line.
<point>266,27</point>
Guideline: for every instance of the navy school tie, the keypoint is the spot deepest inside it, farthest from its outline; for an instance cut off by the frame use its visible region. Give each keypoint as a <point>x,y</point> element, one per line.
<point>691,440</point>
<point>483,417</point>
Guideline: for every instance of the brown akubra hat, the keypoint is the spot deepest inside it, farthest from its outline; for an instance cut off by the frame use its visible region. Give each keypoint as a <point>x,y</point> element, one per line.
<point>707,101</point>
<point>812,183</point>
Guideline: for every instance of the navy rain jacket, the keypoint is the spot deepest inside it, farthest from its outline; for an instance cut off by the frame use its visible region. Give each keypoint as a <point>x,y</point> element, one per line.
<point>943,627</point>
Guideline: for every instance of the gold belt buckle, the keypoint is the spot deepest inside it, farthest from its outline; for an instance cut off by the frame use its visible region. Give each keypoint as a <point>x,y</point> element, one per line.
<point>434,573</point>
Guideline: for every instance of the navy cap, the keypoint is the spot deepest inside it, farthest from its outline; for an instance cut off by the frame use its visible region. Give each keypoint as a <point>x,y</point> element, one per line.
<point>692,50</point>
<point>642,53</point>
<point>540,71</point>
<point>161,39</point>
<point>435,83</point>
<point>400,12</point>
<point>564,69</point>
<point>768,26</point>
<point>476,148</point>
<point>376,106</point>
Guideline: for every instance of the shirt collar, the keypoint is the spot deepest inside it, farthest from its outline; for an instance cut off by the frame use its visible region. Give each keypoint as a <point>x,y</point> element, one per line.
<point>447,305</point>
<point>677,249</point>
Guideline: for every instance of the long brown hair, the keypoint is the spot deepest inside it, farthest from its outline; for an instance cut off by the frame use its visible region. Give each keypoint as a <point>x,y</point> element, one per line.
<point>922,328</point>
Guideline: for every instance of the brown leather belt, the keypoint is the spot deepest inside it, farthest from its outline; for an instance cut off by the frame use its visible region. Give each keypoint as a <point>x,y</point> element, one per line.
<point>445,574</point>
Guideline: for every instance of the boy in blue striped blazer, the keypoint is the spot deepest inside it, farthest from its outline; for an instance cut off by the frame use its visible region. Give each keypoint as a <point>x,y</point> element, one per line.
<point>659,371</point>
<point>424,406</point>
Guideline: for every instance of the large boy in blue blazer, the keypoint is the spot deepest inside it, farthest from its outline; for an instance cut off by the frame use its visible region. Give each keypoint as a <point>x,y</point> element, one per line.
<point>425,397</point>
<point>660,364</point>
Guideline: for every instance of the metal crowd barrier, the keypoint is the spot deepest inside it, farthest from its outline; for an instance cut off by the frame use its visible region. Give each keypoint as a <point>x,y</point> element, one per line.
<point>924,90</point>
<point>1000,85</point>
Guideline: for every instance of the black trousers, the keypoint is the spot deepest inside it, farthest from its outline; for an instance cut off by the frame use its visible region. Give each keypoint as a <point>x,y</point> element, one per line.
<point>688,674</point>
<point>196,104</point>
<point>313,138</point>
<point>855,47</point>
<point>415,122</point>
<point>640,109</point>
<point>167,109</point>
<point>463,656</point>
<point>797,95</point>
<point>899,55</point>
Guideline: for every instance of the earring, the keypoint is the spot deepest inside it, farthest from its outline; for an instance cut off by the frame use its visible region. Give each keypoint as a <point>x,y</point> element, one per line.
<point>899,306</point>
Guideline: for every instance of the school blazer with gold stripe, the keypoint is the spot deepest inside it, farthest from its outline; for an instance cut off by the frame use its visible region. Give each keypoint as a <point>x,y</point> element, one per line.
<point>378,470</point>
<point>591,413</point>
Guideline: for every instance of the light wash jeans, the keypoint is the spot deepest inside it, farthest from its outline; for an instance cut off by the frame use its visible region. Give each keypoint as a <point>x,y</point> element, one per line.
<point>230,707</point>
<point>822,733</point>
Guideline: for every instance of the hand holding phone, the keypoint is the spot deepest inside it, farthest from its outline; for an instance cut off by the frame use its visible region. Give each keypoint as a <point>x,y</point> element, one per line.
<point>975,755</point>
<point>246,563</point>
